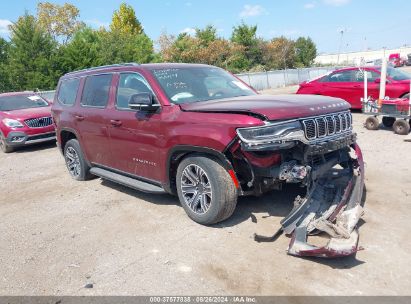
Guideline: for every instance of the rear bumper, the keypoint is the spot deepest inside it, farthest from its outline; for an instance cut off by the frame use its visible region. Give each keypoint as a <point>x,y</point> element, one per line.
<point>18,138</point>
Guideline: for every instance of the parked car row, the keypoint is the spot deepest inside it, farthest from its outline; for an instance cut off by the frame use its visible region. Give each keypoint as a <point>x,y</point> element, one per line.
<point>348,84</point>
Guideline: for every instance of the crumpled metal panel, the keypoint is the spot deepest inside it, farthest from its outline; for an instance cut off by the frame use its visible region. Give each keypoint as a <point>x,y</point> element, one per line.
<point>332,206</point>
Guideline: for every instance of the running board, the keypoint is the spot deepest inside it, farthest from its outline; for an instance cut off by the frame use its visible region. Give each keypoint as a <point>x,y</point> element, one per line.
<point>127,181</point>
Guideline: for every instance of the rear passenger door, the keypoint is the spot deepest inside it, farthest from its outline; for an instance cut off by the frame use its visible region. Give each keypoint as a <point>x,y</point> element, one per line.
<point>135,136</point>
<point>92,118</point>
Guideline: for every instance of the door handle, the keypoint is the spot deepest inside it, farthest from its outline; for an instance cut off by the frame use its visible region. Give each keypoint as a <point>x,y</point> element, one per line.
<point>116,123</point>
<point>79,117</point>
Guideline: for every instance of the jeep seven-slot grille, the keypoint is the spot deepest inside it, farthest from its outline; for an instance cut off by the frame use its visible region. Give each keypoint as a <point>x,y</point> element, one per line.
<point>319,127</point>
<point>39,122</point>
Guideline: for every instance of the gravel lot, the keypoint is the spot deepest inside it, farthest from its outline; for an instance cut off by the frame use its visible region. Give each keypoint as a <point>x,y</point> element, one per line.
<point>57,235</point>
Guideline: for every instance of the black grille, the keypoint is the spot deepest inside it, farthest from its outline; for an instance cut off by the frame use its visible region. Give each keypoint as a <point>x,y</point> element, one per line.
<point>330,125</point>
<point>309,128</point>
<point>327,125</point>
<point>343,122</point>
<point>321,126</point>
<point>39,122</point>
<point>337,123</point>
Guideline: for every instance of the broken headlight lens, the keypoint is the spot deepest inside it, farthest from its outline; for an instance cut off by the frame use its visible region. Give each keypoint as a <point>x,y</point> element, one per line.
<point>271,133</point>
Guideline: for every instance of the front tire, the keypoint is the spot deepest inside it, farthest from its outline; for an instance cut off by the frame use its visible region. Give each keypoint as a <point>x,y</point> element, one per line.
<point>206,190</point>
<point>75,161</point>
<point>4,146</point>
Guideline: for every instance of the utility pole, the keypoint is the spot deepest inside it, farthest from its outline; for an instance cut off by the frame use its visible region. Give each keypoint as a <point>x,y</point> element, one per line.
<point>339,48</point>
<point>383,79</point>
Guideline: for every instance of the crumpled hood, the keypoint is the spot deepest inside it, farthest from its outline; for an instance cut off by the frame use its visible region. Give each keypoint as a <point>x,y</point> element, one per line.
<point>272,107</point>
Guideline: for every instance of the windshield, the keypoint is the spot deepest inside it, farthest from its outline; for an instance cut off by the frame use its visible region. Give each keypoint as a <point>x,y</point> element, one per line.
<point>184,85</point>
<point>18,102</point>
<point>396,74</point>
<point>49,96</point>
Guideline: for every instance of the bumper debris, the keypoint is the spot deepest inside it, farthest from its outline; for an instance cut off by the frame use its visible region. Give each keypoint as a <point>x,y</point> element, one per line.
<point>333,206</point>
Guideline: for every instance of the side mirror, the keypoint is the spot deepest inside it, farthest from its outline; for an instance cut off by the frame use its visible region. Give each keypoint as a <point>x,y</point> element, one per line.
<point>143,102</point>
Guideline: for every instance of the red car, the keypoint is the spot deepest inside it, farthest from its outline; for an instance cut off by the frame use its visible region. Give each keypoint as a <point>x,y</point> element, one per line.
<point>199,132</point>
<point>25,118</point>
<point>396,61</point>
<point>348,84</point>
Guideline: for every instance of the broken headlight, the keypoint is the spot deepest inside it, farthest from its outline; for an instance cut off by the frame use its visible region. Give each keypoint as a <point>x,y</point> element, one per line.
<point>277,132</point>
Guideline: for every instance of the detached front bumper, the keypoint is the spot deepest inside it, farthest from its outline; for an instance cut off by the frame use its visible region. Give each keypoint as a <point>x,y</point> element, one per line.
<point>332,206</point>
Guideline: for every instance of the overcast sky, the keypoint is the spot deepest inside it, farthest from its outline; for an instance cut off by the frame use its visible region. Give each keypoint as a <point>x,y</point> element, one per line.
<point>366,23</point>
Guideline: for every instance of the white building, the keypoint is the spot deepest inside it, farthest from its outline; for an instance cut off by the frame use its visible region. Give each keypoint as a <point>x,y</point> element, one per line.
<point>357,57</point>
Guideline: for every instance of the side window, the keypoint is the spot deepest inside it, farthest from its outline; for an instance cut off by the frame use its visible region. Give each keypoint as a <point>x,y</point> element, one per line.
<point>68,91</point>
<point>96,91</point>
<point>371,76</point>
<point>128,85</point>
<point>342,76</point>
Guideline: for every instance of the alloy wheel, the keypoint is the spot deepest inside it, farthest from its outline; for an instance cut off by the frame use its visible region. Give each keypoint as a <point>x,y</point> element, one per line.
<point>196,189</point>
<point>73,162</point>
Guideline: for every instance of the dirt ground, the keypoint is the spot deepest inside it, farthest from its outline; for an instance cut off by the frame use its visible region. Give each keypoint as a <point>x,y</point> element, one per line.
<point>57,235</point>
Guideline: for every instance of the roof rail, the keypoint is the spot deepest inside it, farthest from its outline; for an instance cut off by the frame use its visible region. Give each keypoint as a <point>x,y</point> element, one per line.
<point>106,66</point>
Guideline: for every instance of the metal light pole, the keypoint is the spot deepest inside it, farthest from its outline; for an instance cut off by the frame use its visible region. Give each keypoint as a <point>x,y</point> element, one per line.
<point>383,79</point>
<point>339,48</point>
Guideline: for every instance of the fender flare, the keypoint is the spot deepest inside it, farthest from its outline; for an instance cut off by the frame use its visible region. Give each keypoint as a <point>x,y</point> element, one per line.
<point>182,150</point>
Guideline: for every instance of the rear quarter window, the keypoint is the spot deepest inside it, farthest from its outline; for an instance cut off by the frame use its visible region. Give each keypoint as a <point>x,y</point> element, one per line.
<point>68,91</point>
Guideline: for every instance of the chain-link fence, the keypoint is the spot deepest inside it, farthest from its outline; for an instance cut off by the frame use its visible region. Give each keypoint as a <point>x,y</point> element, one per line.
<point>281,78</point>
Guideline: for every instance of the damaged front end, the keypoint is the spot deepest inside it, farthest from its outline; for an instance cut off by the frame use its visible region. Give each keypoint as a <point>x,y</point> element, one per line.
<point>320,154</point>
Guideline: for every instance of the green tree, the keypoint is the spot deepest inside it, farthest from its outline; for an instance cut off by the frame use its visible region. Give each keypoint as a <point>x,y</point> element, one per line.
<point>31,56</point>
<point>306,51</point>
<point>246,36</point>
<point>206,35</point>
<point>279,53</point>
<point>83,50</point>
<point>185,49</point>
<point>126,40</point>
<point>4,51</point>
<point>60,21</point>
<point>125,47</point>
<point>124,21</point>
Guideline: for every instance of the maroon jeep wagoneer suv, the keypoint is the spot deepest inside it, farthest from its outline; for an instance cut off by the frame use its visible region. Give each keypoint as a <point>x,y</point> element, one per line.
<point>201,133</point>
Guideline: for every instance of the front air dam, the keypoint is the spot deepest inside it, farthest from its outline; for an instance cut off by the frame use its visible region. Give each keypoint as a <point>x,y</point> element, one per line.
<point>333,206</point>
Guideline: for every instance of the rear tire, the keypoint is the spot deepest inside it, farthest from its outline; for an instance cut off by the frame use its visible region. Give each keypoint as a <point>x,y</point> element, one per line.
<point>401,127</point>
<point>4,146</point>
<point>388,121</point>
<point>372,123</point>
<point>75,161</point>
<point>206,190</point>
